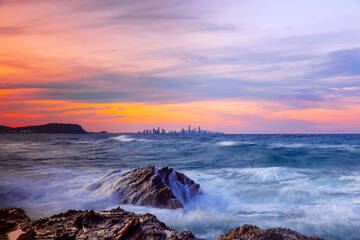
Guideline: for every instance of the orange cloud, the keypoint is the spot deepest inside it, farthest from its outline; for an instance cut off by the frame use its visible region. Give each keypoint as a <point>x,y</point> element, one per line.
<point>21,115</point>
<point>235,115</point>
<point>8,69</point>
<point>133,112</point>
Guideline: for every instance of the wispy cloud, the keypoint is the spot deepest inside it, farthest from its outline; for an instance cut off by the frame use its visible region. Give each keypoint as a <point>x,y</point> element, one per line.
<point>342,63</point>
<point>169,56</point>
<point>11,30</point>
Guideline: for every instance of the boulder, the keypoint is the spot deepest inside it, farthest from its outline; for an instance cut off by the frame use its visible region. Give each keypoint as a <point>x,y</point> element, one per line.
<point>249,232</point>
<point>149,186</point>
<point>11,220</point>
<point>114,224</point>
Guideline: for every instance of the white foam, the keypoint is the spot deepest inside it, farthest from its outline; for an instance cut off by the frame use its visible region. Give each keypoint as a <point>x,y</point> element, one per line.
<point>307,201</point>
<point>292,145</point>
<point>124,138</point>
<point>339,146</point>
<point>108,186</point>
<point>227,143</point>
<point>315,146</point>
<point>232,143</point>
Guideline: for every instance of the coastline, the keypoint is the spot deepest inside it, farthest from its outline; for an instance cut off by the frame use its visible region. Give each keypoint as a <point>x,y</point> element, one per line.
<point>269,181</point>
<point>146,186</point>
<point>117,224</point>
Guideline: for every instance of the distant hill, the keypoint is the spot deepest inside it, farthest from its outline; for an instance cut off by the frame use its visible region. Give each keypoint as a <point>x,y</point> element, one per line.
<point>47,128</point>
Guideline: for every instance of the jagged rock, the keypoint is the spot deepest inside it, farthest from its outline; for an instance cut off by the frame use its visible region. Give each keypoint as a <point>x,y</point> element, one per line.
<point>114,224</point>
<point>150,186</point>
<point>248,232</point>
<point>117,224</point>
<point>10,220</point>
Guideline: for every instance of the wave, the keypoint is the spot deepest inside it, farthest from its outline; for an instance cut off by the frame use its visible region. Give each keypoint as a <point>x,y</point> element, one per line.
<point>339,146</point>
<point>344,147</point>
<point>283,145</point>
<point>307,183</point>
<point>268,197</point>
<point>227,143</point>
<point>123,138</point>
<point>126,138</point>
<point>309,201</point>
<point>232,143</point>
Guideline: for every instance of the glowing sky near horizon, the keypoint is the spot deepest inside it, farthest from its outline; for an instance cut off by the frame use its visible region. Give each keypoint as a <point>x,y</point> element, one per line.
<point>236,66</point>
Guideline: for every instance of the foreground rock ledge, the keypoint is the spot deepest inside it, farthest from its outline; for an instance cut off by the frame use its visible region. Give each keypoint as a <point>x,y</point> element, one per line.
<point>149,186</point>
<point>248,232</point>
<point>114,224</point>
<point>117,224</point>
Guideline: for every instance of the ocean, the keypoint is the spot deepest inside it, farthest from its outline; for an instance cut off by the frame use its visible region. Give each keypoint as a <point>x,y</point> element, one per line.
<point>309,183</point>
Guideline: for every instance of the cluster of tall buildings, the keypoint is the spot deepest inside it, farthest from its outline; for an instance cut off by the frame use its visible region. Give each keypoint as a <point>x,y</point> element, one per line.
<point>183,131</point>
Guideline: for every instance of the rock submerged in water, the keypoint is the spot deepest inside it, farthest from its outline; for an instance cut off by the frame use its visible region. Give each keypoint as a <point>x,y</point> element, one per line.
<point>249,232</point>
<point>150,186</point>
<point>114,224</point>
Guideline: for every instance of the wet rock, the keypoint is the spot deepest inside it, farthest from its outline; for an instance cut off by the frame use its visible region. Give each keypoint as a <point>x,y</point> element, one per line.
<point>117,224</point>
<point>149,186</point>
<point>114,224</point>
<point>248,232</point>
<point>10,220</point>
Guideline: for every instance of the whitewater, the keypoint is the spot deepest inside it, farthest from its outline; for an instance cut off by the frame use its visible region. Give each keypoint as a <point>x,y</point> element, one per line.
<point>309,183</point>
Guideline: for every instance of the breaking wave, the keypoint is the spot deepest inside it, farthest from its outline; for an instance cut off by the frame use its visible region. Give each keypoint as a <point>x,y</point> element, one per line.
<point>306,183</point>
<point>124,138</point>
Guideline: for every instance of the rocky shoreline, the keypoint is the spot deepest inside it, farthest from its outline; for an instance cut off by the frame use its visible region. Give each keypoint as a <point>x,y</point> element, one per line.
<point>117,224</point>
<point>146,186</point>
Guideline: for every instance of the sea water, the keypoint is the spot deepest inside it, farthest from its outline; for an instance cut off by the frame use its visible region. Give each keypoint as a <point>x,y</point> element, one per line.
<point>309,183</point>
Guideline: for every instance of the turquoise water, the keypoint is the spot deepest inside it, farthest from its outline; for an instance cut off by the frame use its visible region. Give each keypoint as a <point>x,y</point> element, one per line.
<point>309,183</point>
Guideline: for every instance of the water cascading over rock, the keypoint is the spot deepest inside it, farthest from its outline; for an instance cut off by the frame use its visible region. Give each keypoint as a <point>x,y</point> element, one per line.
<point>149,186</point>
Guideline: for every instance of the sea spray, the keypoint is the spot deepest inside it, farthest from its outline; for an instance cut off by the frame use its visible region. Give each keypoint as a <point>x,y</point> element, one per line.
<point>309,183</point>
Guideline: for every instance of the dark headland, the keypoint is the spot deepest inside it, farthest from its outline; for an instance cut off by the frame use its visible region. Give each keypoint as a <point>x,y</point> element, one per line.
<point>65,128</point>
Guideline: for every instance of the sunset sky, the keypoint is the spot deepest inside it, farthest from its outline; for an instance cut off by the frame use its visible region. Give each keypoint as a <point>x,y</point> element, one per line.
<point>269,66</point>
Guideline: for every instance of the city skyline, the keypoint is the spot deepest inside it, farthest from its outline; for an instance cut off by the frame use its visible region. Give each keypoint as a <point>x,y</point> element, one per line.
<point>190,130</point>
